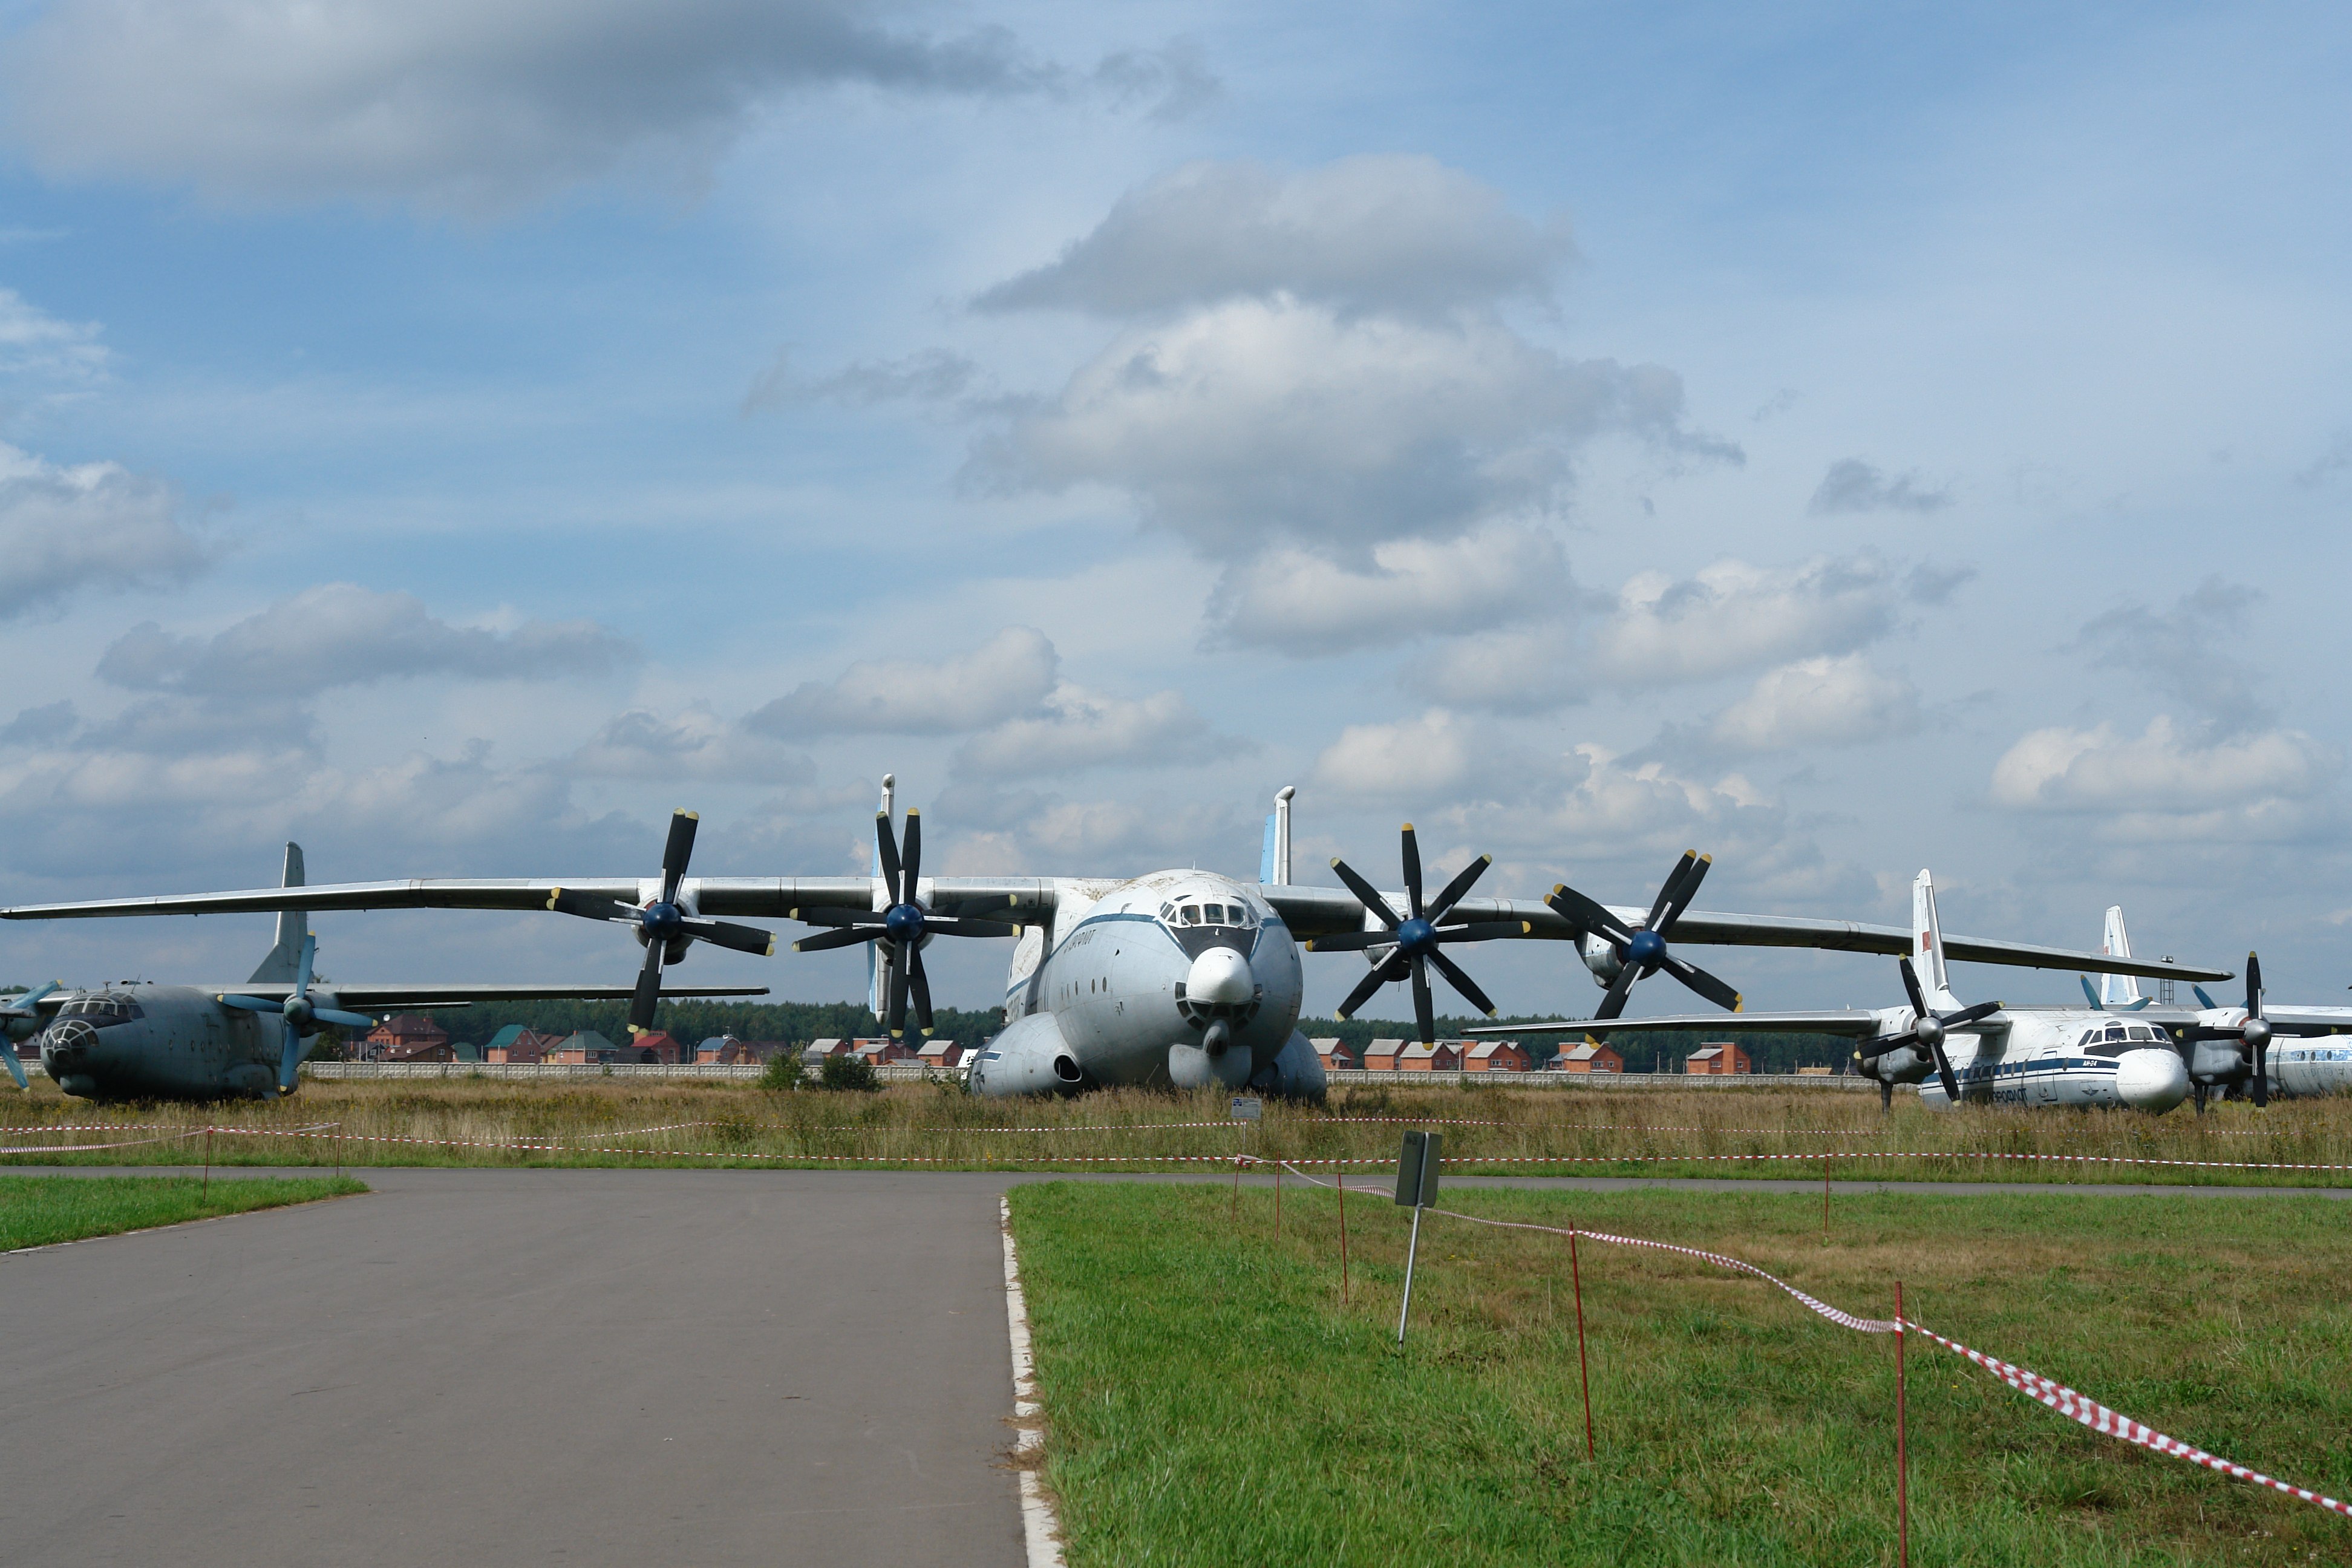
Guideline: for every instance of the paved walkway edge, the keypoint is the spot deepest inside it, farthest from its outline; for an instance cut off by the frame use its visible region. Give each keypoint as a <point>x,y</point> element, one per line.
<point>1039,1528</point>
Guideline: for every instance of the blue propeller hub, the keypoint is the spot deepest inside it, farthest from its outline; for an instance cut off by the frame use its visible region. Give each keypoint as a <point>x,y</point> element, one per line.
<point>904,922</point>
<point>1646,948</point>
<point>662,922</point>
<point>1416,936</point>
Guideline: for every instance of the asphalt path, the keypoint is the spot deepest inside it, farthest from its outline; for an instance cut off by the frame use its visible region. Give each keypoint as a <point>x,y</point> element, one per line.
<point>581,1367</point>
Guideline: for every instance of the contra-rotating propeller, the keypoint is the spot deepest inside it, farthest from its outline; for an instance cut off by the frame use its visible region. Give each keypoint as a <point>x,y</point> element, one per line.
<point>300,1015</point>
<point>662,925</point>
<point>903,925</point>
<point>1927,1031</point>
<point>1642,950</point>
<point>1416,936</point>
<point>2253,1033</point>
<point>23,1007</point>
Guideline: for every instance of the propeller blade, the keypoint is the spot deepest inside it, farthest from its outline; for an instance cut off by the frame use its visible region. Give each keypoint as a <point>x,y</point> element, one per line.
<point>2090,992</point>
<point>648,992</point>
<point>1911,989</point>
<point>252,1004</point>
<point>26,1003</point>
<point>1413,881</point>
<point>983,906</point>
<point>1618,989</point>
<point>346,1020</point>
<point>741,938</point>
<point>1424,1011</point>
<point>920,986</point>
<point>824,941</point>
<point>2253,987</point>
<point>887,854</point>
<point>1967,1015</point>
<point>1351,940</point>
<point>899,969</point>
<point>1374,905</point>
<point>960,926</point>
<point>1461,982</point>
<point>1683,894</point>
<point>2210,1005</point>
<point>15,1063</point>
<point>1460,885</point>
<point>1365,987</point>
<point>302,976</point>
<point>590,906</point>
<point>676,852</point>
<point>826,917</point>
<point>290,1060</point>
<point>1700,981</point>
<point>1587,916</point>
<point>1944,1069</point>
<point>1879,1045</point>
<point>1666,890</point>
<point>1484,930</point>
<point>913,854</point>
<point>2262,1076</point>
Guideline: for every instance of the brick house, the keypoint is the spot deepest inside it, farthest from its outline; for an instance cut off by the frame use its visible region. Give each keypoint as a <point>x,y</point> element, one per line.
<point>1497,1055</point>
<point>1441,1056</point>
<point>519,1043</point>
<point>944,1055</point>
<point>1718,1057</point>
<point>879,1051</point>
<point>1588,1055</point>
<point>586,1047</point>
<point>408,1037</point>
<point>1380,1056</point>
<point>1334,1053</point>
<point>660,1047</point>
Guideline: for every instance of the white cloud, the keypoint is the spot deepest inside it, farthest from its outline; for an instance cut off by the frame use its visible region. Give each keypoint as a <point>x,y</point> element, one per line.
<point>2164,770</point>
<point>1818,701</point>
<point>1733,616</point>
<point>1431,756</point>
<point>1028,834</point>
<point>90,526</point>
<point>1081,729</point>
<point>1516,669</point>
<point>1388,232</point>
<point>1005,677</point>
<point>340,634</point>
<point>470,106</point>
<point>1304,603</point>
<point>1852,485</point>
<point>697,743</point>
<point>1256,423</point>
<point>33,342</point>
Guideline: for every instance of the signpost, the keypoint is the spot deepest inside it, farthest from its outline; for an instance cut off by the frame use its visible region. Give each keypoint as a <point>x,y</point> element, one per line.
<point>1416,1186</point>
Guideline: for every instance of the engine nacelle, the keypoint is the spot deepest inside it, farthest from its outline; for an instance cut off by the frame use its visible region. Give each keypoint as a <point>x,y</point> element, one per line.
<point>1029,1058</point>
<point>1294,1073</point>
<point>1601,957</point>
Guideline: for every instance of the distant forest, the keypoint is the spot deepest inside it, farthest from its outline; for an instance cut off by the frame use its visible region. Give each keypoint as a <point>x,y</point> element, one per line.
<point>798,1023</point>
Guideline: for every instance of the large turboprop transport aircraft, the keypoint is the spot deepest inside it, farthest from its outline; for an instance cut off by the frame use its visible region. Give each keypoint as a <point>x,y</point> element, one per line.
<point>2011,1056</point>
<point>139,1040</point>
<point>1183,977</point>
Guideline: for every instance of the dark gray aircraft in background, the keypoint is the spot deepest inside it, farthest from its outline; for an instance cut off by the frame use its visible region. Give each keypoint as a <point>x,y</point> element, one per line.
<point>139,1040</point>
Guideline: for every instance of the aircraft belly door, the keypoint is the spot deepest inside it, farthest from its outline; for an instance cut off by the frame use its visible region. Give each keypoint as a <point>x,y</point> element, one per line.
<point>2047,1074</point>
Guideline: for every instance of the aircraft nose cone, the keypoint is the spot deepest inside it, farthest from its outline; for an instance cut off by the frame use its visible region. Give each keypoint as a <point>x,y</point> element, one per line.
<point>2153,1081</point>
<point>1219,975</point>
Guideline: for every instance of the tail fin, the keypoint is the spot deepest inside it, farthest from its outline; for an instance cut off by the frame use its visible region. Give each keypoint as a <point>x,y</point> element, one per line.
<point>2118,990</point>
<point>1928,945</point>
<point>283,962</point>
<point>1273,861</point>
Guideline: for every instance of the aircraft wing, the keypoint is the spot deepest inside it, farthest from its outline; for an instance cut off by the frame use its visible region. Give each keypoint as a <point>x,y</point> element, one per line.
<point>1319,911</point>
<point>374,999</point>
<point>1858,1022</point>
<point>725,898</point>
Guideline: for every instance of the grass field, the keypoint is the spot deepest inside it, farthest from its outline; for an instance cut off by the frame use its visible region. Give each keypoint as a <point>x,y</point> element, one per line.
<point>1211,1398</point>
<point>1615,1130</point>
<point>41,1211</point>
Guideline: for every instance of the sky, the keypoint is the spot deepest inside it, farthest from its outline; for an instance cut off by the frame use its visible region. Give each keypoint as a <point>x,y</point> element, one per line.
<point>1840,438</point>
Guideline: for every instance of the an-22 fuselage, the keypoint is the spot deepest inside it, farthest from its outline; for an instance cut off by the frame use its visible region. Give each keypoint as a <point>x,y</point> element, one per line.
<point>142,1041</point>
<point>1181,977</point>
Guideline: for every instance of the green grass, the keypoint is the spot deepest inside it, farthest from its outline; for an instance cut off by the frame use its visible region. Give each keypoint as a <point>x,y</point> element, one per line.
<point>1210,1399</point>
<point>41,1211</point>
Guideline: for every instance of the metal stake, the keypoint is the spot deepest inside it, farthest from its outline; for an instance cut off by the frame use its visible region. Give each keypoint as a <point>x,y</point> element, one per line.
<point>1902,1479</point>
<point>1412,1249</point>
<point>205,1193</point>
<point>1825,1197</point>
<point>1343,1237</point>
<point>1277,1203</point>
<point>1583,1370</point>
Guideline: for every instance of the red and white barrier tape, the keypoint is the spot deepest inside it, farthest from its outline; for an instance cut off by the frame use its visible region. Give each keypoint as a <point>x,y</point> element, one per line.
<point>71,1148</point>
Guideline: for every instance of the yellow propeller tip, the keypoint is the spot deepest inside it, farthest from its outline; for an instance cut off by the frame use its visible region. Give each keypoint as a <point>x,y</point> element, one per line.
<point>770,949</point>
<point>1408,827</point>
<point>914,810</point>
<point>690,815</point>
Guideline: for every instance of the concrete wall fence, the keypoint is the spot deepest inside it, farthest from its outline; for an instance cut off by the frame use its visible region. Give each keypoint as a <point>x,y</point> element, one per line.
<point>915,1072</point>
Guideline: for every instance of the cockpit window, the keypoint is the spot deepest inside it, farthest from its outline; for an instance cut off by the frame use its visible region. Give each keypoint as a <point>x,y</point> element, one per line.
<point>1209,914</point>
<point>2116,1031</point>
<point>2142,1032</point>
<point>1192,914</point>
<point>101,1010</point>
